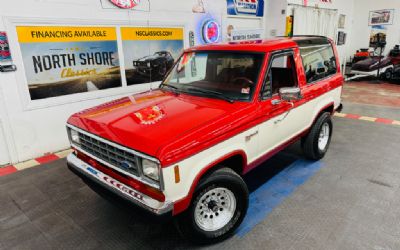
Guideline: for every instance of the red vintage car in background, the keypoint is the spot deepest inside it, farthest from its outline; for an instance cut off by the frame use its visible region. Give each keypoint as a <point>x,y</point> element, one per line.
<point>4,50</point>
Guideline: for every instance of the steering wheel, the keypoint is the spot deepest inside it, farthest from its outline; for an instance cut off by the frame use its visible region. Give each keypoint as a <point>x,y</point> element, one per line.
<point>241,80</point>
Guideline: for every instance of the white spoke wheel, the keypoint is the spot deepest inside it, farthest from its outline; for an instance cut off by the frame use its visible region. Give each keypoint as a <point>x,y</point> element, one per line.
<point>215,209</point>
<point>324,136</point>
<point>316,142</point>
<point>218,206</point>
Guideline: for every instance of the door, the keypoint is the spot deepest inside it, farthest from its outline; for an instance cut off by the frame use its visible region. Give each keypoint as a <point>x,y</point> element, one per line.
<point>282,121</point>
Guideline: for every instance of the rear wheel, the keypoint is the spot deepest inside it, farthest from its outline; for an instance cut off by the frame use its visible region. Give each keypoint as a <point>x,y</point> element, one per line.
<point>387,75</point>
<point>218,207</point>
<point>316,143</point>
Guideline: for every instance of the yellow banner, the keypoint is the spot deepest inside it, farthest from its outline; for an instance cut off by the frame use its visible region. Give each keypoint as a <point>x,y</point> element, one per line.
<point>144,33</point>
<point>44,34</point>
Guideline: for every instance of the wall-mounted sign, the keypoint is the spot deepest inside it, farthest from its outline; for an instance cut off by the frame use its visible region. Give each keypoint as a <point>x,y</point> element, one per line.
<point>125,4</point>
<point>342,21</point>
<point>289,26</point>
<point>67,60</point>
<point>5,54</point>
<point>211,31</point>
<point>191,39</point>
<point>150,52</point>
<point>246,7</point>
<point>378,35</point>
<point>381,17</point>
<point>136,5</point>
<point>247,35</point>
<point>198,7</point>
<point>341,38</point>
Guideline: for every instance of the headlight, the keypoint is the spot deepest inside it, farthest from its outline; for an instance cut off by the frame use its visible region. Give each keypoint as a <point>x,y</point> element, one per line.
<point>74,135</point>
<point>150,169</point>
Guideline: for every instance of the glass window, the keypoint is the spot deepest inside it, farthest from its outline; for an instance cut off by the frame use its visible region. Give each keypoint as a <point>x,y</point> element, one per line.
<point>228,75</point>
<point>282,73</point>
<point>319,62</point>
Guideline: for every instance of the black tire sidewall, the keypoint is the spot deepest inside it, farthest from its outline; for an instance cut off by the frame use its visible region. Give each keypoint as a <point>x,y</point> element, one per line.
<point>233,183</point>
<point>325,118</point>
<point>388,74</point>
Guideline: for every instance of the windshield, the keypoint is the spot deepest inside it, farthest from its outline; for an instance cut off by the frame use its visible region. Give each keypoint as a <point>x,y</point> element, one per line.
<point>226,75</point>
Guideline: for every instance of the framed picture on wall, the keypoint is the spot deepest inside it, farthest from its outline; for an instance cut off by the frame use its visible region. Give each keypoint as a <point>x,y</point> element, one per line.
<point>381,17</point>
<point>341,38</point>
<point>342,21</point>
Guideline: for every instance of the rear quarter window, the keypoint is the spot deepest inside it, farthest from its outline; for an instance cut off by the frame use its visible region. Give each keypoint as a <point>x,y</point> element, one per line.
<point>319,62</point>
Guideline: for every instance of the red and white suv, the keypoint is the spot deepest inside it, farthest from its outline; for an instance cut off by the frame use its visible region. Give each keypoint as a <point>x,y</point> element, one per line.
<point>220,111</point>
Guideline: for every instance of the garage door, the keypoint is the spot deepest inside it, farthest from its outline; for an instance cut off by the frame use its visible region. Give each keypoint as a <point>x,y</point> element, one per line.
<point>4,156</point>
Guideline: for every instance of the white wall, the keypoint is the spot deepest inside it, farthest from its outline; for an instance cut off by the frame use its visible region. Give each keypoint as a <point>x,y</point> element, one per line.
<point>360,36</point>
<point>344,7</point>
<point>275,21</point>
<point>30,129</point>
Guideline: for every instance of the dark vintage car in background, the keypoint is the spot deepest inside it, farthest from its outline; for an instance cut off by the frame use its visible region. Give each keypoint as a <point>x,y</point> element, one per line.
<point>154,66</point>
<point>385,64</point>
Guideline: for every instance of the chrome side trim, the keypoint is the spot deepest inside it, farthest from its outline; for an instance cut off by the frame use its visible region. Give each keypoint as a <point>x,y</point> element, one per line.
<point>119,188</point>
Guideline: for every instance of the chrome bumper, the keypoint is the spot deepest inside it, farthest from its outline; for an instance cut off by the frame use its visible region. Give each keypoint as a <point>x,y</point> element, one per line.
<point>118,188</point>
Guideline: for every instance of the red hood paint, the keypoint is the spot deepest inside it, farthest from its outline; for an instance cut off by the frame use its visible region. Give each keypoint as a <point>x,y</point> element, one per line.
<point>158,123</point>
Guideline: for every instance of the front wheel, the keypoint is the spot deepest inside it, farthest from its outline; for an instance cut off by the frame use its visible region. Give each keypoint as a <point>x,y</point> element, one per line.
<point>316,143</point>
<point>218,207</point>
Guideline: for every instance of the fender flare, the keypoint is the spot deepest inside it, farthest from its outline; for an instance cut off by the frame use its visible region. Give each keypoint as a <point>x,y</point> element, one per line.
<point>182,204</point>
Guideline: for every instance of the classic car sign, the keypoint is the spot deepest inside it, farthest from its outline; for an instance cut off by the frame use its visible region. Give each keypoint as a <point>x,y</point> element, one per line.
<point>247,35</point>
<point>63,60</point>
<point>125,4</point>
<point>246,7</point>
<point>149,52</point>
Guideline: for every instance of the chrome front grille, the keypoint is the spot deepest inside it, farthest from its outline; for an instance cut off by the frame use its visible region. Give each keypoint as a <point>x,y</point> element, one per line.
<point>116,157</point>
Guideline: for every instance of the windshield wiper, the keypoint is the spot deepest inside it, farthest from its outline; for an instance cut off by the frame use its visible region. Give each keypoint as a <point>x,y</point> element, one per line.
<point>175,89</point>
<point>212,93</point>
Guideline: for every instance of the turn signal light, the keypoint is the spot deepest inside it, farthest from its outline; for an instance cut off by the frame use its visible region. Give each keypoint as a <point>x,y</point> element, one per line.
<point>177,175</point>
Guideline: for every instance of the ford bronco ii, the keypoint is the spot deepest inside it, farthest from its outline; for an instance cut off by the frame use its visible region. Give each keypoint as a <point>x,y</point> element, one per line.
<point>221,111</point>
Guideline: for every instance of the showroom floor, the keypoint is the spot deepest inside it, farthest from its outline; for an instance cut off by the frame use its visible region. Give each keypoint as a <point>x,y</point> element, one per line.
<point>349,200</point>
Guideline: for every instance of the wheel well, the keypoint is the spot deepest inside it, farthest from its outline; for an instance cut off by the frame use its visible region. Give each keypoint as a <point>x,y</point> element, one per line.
<point>330,109</point>
<point>235,162</point>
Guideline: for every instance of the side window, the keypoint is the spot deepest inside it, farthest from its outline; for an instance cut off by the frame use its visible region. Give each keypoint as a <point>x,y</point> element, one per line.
<point>319,62</point>
<point>281,73</point>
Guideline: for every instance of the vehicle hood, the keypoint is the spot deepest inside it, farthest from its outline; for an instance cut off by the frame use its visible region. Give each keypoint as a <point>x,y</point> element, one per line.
<point>148,58</point>
<point>148,121</point>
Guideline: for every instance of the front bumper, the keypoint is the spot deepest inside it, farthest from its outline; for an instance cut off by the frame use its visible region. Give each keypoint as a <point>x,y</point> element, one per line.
<point>118,188</point>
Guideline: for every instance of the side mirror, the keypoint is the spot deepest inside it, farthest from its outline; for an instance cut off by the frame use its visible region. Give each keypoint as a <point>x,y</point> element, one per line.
<point>290,94</point>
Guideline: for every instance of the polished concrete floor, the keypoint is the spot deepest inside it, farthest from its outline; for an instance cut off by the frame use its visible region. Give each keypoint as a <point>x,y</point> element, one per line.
<point>350,202</point>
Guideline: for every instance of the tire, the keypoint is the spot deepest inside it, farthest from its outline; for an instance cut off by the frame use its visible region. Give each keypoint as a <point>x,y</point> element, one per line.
<point>388,74</point>
<point>212,200</point>
<point>162,70</point>
<point>313,148</point>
